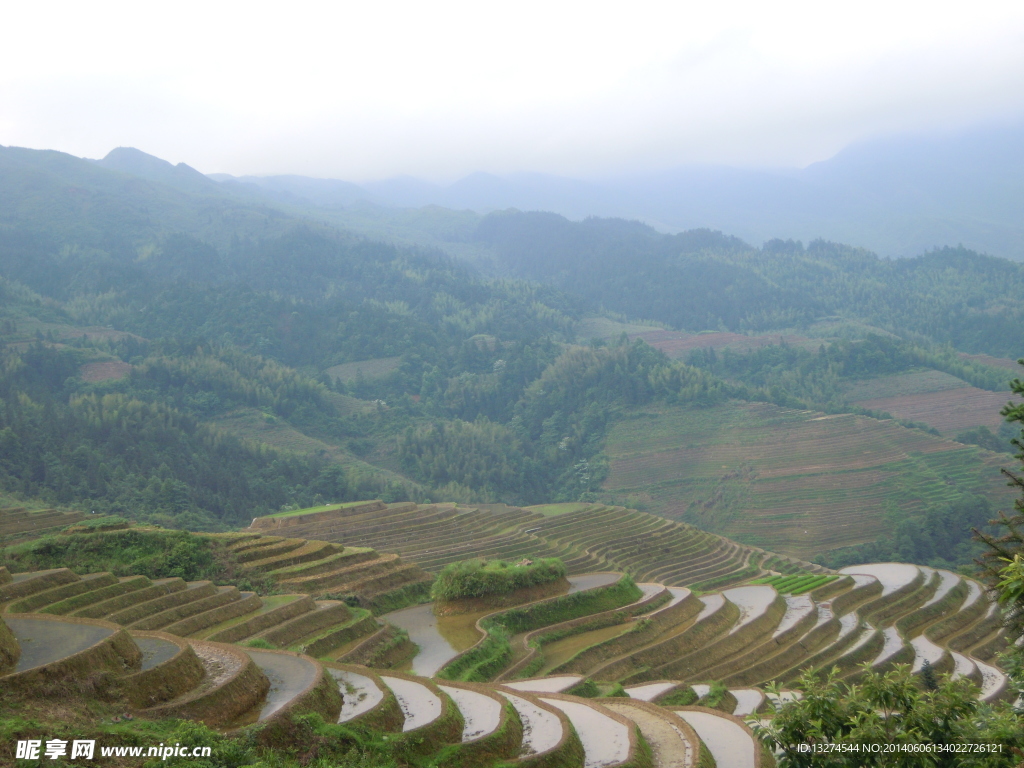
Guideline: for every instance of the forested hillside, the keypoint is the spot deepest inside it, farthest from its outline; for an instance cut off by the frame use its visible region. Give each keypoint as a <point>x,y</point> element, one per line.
<point>701,280</point>
<point>181,351</point>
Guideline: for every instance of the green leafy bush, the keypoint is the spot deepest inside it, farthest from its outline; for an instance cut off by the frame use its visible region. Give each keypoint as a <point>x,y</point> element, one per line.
<point>683,696</point>
<point>259,642</point>
<point>890,708</point>
<point>153,553</point>
<point>479,578</point>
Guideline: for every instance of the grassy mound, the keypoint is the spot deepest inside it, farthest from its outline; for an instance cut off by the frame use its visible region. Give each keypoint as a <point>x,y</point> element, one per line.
<point>479,578</point>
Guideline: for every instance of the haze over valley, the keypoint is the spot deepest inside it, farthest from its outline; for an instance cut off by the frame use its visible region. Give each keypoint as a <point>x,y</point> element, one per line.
<point>896,196</point>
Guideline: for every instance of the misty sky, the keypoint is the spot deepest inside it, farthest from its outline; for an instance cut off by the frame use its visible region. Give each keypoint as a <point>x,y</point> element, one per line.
<point>368,90</point>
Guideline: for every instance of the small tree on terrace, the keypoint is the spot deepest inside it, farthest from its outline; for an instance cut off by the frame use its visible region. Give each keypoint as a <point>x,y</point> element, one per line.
<point>889,709</point>
<point>1002,563</point>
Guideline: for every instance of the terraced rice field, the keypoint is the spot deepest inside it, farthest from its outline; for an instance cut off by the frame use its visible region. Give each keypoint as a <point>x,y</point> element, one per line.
<point>314,510</point>
<point>17,523</point>
<point>931,397</point>
<point>1008,363</point>
<point>587,537</point>
<point>937,399</point>
<point>897,385</point>
<point>717,649</point>
<point>761,639</point>
<point>301,621</point>
<point>795,482</point>
<point>950,411</point>
<point>677,344</point>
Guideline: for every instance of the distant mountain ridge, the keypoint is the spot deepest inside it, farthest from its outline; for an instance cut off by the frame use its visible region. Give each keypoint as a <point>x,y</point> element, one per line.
<point>138,163</point>
<point>895,196</point>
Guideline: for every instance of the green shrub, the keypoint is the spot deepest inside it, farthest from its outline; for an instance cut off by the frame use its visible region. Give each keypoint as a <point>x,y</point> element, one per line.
<point>479,578</point>
<point>680,697</point>
<point>715,695</point>
<point>259,642</point>
<point>154,553</point>
<point>586,689</point>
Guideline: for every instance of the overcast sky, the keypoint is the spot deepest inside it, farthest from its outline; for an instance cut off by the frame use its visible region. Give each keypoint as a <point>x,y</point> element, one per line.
<point>368,90</point>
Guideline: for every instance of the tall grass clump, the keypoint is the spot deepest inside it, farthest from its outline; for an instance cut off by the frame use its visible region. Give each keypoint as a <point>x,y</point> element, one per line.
<point>479,578</point>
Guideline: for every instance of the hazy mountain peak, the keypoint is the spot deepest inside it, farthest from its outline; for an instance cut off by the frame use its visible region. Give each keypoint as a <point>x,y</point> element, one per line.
<point>138,163</point>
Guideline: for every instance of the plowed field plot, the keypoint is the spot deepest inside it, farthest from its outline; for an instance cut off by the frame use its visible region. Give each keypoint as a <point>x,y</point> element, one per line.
<point>949,412</point>
<point>794,482</point>
<point>676,344</point>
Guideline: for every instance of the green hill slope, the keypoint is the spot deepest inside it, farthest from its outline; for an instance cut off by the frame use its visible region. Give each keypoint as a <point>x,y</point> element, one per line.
<point>800,482</point>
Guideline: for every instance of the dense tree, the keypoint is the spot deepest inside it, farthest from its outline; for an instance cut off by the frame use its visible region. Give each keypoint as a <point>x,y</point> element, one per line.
<point>1002,562</point>
<point>701,280</point>
<point>133,453</point>
<point>891,719</point>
